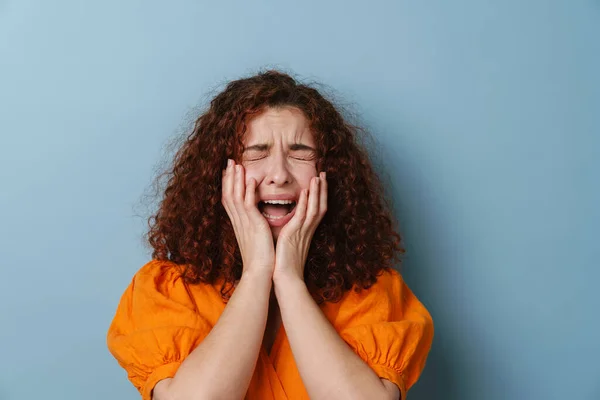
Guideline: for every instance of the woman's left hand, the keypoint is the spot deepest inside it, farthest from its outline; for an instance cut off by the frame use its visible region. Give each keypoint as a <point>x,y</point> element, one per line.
<point>294,238</point>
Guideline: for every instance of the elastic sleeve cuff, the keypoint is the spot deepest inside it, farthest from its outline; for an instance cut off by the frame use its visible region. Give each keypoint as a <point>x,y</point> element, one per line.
<point>391,375</point>
<point>160,373</point>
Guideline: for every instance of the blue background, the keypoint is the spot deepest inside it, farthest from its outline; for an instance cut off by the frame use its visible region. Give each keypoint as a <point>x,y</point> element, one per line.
<point>486,118</point>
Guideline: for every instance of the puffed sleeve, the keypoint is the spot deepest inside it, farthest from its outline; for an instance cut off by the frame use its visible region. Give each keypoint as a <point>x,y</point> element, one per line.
<point>390,330</point>
<point>155,327</point>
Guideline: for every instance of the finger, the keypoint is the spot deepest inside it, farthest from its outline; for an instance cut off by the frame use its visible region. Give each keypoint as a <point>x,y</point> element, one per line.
<point>300,213</point>
<point>227,199</point>
<point>223,187</point>
<point>250,199</point>
<point>323,195</point>
<point>227,186</point>
<point>239,186</point>
<point>313,201</point>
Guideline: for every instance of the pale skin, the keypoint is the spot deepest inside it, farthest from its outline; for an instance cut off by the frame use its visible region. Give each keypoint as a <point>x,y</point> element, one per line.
<point>280,162</point>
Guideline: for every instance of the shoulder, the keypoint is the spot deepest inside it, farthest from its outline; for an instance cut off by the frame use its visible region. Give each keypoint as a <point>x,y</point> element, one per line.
<point>159,320</point>
<point>389,282</point>
<point>165,278</point>
<point>160,271</point>
<point>158,280</point>
<point>388,288</point>
<point>158,302</point>
<point>158,294</point>
<point>388,328</point>
<point>388,299</point>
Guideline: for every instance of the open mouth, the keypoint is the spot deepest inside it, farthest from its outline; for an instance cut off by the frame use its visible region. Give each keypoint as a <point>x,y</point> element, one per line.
<point>276,209</point>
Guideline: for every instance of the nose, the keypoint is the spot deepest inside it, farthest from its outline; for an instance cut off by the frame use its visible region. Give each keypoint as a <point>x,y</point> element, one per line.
<point>278,172</point>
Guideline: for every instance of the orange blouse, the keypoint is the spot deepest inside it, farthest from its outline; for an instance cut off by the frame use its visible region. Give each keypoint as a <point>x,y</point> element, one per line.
<point>161,319</point>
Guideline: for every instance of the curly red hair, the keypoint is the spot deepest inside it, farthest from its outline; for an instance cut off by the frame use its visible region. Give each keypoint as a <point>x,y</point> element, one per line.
<point>354,242</point>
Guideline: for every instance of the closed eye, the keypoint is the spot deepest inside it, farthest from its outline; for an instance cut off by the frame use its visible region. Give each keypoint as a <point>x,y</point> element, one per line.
<point>303,155</point>
<point>295,158</point>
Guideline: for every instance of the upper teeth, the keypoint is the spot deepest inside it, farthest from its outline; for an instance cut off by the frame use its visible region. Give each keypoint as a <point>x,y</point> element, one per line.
<point>278,201</point>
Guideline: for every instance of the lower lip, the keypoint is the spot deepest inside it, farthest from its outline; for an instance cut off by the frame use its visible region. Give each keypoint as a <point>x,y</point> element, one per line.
<point>281,221</point>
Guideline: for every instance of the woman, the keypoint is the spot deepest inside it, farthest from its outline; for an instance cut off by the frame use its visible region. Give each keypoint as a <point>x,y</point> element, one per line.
<point>271,274</point>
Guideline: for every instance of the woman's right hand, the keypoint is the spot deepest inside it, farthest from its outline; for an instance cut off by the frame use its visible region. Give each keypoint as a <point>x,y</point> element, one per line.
<point>251,229</point>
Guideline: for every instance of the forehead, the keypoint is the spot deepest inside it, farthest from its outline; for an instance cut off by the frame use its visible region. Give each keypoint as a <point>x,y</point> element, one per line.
<point>285,124</point>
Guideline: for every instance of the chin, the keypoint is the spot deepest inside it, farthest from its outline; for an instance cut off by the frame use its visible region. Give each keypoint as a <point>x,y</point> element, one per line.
<point>275,232</point>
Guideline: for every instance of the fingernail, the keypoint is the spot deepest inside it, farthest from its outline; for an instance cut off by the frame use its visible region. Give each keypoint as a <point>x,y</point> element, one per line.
<point>323,175</point>
<point>229,162</point>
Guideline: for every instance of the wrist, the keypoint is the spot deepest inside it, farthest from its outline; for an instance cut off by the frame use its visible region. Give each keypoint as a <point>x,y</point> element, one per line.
<point>287,281</point>
<point>257,276</point>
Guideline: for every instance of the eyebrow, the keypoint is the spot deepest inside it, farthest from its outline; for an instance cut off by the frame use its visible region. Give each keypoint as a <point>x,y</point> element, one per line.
<point>293,147</point>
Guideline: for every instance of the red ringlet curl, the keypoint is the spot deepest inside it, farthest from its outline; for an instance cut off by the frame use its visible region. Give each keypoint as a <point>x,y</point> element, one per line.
<point>354,242</point>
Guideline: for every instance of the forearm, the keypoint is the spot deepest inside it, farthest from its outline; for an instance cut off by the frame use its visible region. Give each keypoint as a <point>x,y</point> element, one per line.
<point>328,367</point>
<point>221,367</point>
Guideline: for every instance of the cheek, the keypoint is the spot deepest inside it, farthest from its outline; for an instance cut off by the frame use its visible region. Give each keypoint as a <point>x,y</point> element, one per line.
<point>305,178</point>
<point>253,173</point>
